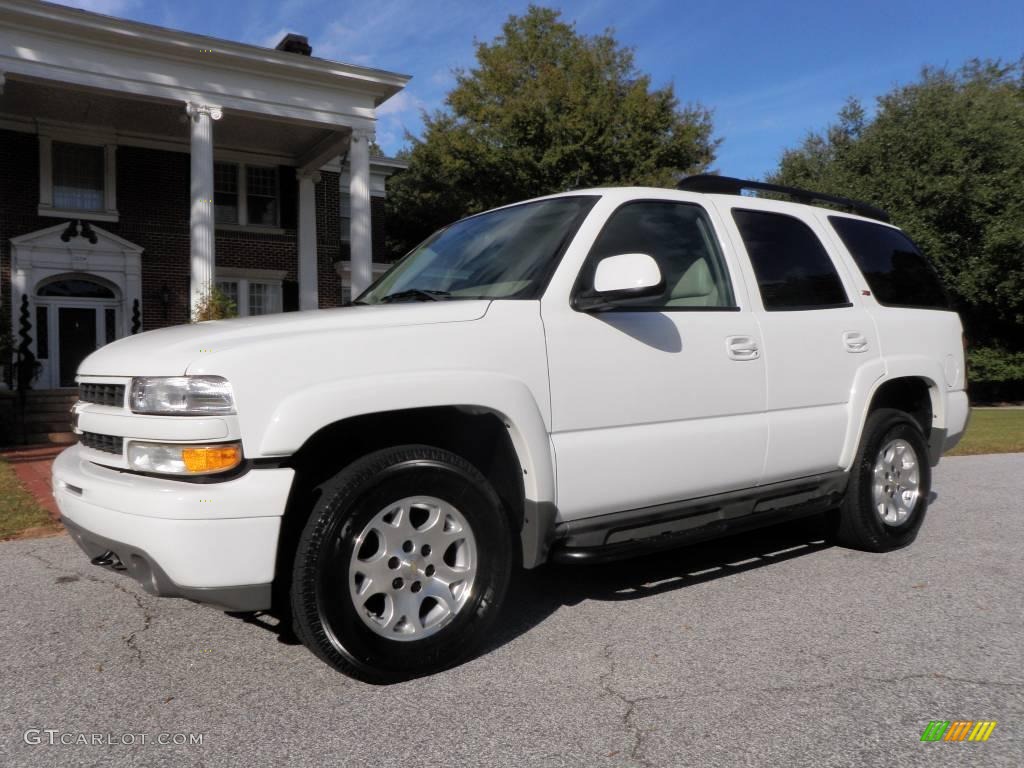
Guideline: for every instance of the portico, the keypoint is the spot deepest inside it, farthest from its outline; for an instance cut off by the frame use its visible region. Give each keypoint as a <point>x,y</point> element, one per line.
<point>265,133</point>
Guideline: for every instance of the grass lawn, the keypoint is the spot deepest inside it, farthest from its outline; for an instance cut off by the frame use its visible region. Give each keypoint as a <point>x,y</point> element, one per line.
<point>19,511</point>
<point>992,430</point>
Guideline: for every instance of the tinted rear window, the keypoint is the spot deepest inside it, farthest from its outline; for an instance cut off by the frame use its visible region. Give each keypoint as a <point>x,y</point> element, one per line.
<point>794,271</point>
<point>897,272</point>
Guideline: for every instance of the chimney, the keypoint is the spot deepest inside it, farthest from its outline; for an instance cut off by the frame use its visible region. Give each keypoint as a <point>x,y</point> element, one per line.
<point>292,43</point>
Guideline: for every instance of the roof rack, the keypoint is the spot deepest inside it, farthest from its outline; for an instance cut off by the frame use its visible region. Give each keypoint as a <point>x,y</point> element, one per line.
<point>726,185</point>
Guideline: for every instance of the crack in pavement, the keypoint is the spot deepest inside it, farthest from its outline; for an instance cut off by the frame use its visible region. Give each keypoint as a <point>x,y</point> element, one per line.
<point>636,732</point>
<point>868,679</point>
<point>131,639</point>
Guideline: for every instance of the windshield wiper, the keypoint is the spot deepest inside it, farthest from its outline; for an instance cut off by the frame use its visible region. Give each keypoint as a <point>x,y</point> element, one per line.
<point>414,293</point>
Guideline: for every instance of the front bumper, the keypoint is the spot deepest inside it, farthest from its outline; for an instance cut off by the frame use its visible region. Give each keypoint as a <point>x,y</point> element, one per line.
<point>211,542</point>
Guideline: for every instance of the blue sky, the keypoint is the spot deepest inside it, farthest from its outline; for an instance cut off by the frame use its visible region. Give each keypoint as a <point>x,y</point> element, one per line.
<point>771,71</point>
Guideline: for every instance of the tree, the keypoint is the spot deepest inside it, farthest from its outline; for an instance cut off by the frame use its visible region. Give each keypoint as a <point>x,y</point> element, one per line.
<point>545,110</point>
<point>945,156</point>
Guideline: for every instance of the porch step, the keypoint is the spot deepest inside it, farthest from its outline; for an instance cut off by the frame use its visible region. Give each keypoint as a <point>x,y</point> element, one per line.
<point>52,438</point>
<point>33,398</point>
<point>47,407</point>
<point>49,415</point>
<point>36,424</point>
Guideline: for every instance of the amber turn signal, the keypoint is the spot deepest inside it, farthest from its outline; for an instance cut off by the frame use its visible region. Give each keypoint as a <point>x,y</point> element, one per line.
<point>212,458</point>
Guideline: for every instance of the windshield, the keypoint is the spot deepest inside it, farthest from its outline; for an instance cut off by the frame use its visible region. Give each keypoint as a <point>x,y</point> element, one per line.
<point>504,254</point>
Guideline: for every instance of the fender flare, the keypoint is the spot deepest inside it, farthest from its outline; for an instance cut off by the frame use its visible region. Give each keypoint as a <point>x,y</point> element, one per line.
<point>302,413</point>
<point>871,378</point>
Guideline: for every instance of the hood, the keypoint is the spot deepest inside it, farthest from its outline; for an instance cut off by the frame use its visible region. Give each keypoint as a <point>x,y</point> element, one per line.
<point>170,351</point>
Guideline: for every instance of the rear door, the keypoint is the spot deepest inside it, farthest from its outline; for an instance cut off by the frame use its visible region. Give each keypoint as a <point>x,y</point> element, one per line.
<point>819,341</point>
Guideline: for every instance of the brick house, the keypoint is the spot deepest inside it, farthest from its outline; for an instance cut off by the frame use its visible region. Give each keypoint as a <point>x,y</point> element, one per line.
<point>139,166</point>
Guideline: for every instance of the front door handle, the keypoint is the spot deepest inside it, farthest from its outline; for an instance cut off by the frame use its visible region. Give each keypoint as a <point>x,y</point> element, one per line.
<point>742,348</point>
<point>855,342</point>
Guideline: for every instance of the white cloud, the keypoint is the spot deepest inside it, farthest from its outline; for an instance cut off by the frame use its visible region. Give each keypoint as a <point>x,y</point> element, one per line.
<point>443,78</point>
<point>397,115</point>
<point>400,103</point>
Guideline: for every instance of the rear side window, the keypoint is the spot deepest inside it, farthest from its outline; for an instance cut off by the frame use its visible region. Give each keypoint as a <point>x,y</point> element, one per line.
<point>793,268</point>
<point>897,272</point>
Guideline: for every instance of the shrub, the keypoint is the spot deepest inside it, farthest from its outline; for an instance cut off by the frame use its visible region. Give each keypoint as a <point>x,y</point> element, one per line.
<point>214,305</point>
<point>995,374</point>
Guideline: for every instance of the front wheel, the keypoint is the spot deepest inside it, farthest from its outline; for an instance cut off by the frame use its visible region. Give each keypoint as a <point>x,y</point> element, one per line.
<point>402,566</point>
<point>887,495</point>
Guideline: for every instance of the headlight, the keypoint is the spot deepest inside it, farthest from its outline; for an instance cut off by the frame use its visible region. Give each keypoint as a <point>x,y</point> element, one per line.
<point>174,459</point>
<point>182,396</point>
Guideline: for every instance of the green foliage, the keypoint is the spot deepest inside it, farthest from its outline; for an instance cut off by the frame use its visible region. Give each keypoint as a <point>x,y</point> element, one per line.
<point>214,305</point>
<point>945,156</point>
<point>993,364</point>
<point>545,110</point>
<point>20,513</point>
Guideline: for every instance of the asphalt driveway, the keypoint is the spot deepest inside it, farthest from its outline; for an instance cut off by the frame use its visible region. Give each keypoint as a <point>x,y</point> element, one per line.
<point>768,649</point>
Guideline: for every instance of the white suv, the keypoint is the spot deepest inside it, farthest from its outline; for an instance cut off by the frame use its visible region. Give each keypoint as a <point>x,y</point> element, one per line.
<point>578,377</point>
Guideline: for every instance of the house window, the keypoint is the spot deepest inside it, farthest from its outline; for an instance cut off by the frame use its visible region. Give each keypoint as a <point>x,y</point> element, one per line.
<point>77,177</point>
<point>345,216</point>
<point>246,195</point>
<point>225,193</point>
<point>258,293</point>
<point>262,195</point>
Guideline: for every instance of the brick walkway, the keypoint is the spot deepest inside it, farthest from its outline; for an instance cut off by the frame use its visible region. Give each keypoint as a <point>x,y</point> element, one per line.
<point>32,466</point>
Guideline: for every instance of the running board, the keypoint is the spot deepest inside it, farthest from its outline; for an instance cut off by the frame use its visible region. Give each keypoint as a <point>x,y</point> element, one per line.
<point>624,534</point>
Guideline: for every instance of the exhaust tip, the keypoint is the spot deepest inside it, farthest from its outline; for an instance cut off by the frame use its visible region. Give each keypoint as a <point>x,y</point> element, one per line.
<point>109,560</point>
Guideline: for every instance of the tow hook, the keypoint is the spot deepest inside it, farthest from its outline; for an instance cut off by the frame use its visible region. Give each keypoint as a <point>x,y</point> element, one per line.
<point>109,560</point>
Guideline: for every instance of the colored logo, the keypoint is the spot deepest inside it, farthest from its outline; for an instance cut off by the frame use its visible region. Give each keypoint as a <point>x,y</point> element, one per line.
<point>958,730</point>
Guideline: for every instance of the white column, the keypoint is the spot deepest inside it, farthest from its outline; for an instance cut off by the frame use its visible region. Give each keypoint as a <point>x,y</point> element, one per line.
<point>309,296</point>
<point>361,239</point>
<point>201,225</point>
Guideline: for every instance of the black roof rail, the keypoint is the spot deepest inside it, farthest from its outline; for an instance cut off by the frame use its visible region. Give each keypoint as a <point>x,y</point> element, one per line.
<point>726,185</point>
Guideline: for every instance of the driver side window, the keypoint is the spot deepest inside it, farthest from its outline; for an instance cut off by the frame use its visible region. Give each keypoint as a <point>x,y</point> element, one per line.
<point>679,237</point>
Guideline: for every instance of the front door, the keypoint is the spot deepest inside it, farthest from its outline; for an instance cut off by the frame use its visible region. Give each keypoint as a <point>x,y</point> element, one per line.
<point>74,315</point>
<point>76,328</point>
<point>664,401</point>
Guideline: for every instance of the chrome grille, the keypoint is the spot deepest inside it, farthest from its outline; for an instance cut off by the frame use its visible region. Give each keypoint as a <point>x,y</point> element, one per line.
<point>102,394</point>
<point>105,443</point>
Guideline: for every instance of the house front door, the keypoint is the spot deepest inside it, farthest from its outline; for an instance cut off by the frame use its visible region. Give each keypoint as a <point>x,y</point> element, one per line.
<point>76,339</point>
<point>74,315</point>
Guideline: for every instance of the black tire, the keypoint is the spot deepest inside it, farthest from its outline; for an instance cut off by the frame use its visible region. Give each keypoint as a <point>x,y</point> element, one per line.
<point>324,614</point>
<point>859,525</point>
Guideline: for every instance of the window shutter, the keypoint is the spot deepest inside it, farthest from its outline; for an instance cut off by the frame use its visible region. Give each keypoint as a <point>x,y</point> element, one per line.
<point>290,296</point>
<point>289,198</point>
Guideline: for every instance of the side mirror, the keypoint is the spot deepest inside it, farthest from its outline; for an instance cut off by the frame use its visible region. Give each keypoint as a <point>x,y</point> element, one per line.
<point>618,278</point>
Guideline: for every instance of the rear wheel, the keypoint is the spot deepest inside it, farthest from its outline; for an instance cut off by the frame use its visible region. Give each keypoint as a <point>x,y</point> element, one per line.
<point>890,480</point>
<point>402,566</point>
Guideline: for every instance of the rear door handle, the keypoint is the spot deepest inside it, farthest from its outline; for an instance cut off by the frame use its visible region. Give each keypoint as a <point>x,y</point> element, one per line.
<point>855,341</point>
<point>742,348</point>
